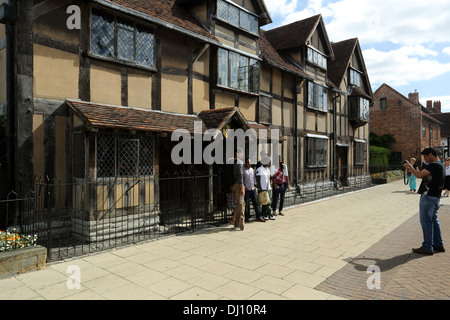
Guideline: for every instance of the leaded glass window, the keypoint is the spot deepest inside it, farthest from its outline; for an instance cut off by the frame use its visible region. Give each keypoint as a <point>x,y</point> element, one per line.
<point>317,152</point>
<point>355,78</point>
<point>317,58</point>
<point>317,97</point>
<point>145,53</point>
<point>254,75</point>
<point>124,155</point>
<point>265,106</point>
<point>243,73</point>
<point>238,72</point>
<point>234,68</point>
<point>223,68</point>
<point>360,153</point>
<point>364,109</point>
<point>103,35</point>
<point>121,39</point>
<point>232,14</point>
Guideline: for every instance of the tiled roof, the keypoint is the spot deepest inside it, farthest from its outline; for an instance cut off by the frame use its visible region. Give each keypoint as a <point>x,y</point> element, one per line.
<point>272,56</point>
<point>343,52</point>
<point>102,116</point>
<point>167,11</point>
<point>357,92</point>
<point>108,117</point>
<point>219,118</point>
<point>292,35</point>
<point>430,117</point>
<point>445,119</point>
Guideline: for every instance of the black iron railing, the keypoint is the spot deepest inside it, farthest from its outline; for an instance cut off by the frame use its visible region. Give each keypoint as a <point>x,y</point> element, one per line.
<point>81,217</point>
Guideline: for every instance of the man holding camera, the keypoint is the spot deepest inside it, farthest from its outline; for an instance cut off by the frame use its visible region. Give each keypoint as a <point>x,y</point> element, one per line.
<point>430,201</point>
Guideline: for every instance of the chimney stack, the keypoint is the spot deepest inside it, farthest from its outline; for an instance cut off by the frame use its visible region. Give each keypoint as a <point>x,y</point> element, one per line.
<point>437,107</point>
<point>414,97</point>
<point>429,105</point>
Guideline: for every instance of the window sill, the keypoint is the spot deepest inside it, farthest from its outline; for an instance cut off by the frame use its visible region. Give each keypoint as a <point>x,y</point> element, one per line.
<point>237,91</point>
<point>317,167</point>
<point>317,110</point>
<point>317,66</point>
<point>120,62</point>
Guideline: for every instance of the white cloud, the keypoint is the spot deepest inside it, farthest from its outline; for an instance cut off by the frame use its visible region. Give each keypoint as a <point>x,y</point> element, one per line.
<point>403,66</point>
<point>280,7</point>
<point>400,34</point>
<point>408,22</point>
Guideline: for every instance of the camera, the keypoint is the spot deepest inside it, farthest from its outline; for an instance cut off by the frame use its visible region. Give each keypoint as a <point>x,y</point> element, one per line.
<point>403,162</point>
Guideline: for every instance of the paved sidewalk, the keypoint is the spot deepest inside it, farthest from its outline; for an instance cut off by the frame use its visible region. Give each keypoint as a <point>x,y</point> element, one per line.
<point>316,251</point>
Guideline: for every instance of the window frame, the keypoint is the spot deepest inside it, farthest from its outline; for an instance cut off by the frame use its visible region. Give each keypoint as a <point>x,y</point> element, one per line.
<point>317,158</point>
<point>383,104</point>
<point>234,76</point>
<point>360,152</point>
<point>241,11</point>
<point>268,107</point>
<point>313,98</point>
<point>313,55</point>
<point>115,155</point>
<point>351,77</point>
<point>138,29</point>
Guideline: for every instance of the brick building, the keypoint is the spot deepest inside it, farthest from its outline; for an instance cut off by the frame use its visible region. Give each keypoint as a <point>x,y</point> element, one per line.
<point>445,129</point>
<point>411,124</point>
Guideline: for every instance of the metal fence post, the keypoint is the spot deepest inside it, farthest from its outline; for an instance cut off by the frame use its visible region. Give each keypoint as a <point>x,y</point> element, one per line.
<point>50,211</point>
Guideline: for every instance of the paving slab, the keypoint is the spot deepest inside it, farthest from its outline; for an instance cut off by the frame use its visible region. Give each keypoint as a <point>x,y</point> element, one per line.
<point>316,251</point>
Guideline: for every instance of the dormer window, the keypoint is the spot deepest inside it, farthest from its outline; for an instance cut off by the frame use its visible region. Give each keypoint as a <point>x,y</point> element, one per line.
<point>316,57</point>
<point>237,16</point>
<point>355,77</point>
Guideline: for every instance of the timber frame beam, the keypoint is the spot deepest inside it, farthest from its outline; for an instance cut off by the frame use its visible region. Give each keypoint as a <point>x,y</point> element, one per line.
<point>46,6</point>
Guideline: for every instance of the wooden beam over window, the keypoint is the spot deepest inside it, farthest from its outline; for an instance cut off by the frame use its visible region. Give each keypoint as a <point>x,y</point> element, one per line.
<point>47,6</point>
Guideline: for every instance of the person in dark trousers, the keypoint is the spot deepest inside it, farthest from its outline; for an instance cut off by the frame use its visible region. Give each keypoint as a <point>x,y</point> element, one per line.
<point>430,201</point>
<point>250,192</point>
<point>281,184</point>
<point>238,189</point>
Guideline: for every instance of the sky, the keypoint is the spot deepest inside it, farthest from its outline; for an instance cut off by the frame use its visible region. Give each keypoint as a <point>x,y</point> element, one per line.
<point>405,43</point>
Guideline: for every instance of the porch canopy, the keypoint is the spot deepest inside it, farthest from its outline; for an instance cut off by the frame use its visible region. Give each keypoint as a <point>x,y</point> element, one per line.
<point>109,117</point>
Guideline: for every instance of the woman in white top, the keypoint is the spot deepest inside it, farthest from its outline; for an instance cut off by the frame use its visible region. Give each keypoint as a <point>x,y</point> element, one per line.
<point>447,176</point>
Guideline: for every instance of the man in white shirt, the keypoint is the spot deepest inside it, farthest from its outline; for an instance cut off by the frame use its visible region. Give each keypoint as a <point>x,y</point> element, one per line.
<point>263,183</point>
<point>250,192</point>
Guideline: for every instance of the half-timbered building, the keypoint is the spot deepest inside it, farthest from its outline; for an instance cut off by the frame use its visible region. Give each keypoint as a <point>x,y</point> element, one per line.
<point>94,89</point>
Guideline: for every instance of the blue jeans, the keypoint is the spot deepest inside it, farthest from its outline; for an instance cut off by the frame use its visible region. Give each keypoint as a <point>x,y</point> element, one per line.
<point>250,195</point>
<point>281,196</point>
<point>431,229</point>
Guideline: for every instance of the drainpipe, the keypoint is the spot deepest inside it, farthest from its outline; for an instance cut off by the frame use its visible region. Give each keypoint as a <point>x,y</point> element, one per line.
<point>8,17</point>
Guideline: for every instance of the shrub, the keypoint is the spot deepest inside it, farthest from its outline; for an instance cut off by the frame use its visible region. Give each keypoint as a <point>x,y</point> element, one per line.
<point>379,157</point>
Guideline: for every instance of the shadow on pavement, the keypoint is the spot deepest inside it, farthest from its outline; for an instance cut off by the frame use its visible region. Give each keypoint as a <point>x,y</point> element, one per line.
<point>383,264</point>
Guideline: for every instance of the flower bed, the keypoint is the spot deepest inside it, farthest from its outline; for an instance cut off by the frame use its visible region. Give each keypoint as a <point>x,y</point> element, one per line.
<point>10,240</point>
<point>386,177</point>
<point>19,253</point>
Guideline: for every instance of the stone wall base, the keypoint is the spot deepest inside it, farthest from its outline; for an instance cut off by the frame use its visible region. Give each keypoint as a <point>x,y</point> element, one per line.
<point>22,260</point>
